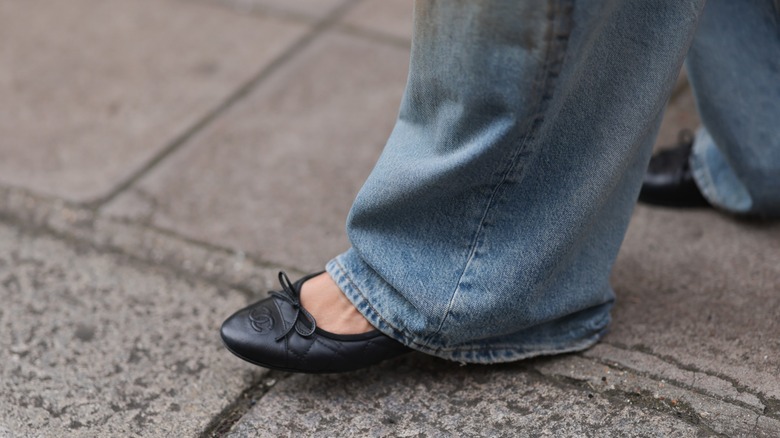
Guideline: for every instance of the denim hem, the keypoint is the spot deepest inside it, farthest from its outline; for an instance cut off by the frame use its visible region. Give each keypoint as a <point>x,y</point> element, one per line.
<point>560,23</point>
<point>480,353</point>
<point>702,176</point>
<point>483,355</point>
<point>722,190</point>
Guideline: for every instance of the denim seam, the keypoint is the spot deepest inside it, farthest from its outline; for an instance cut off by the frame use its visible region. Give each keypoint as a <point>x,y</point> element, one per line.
<point>560,13</point>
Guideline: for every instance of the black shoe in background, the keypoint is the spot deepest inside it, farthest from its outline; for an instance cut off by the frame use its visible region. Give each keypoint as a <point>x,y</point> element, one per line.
<point>669,180</point>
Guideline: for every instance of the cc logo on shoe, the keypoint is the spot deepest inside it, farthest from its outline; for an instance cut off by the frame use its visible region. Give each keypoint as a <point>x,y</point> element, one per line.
<point>261,319</point>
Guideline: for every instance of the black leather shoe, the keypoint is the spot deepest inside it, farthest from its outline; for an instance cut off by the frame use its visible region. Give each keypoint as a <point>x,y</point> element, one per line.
<point>669,180</point>
<point>279,333</point>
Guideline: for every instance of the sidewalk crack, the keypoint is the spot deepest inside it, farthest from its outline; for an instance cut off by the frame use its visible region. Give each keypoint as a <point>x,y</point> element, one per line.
<point>237,95</point>
<point>223,422</point>
<point>771,405</point>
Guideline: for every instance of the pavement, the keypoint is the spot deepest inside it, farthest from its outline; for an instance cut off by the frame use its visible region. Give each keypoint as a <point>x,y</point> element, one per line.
<point>162,160</point>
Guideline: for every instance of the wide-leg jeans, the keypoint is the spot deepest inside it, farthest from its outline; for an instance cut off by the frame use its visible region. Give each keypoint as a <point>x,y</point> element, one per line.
<point>488,228</point>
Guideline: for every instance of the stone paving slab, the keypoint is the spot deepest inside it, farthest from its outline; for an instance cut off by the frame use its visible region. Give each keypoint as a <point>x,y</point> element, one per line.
<point>699,290</point>
<point>422,396</point>
<point>392,18</point>
<point>93,89</point>
<point>98,345</point>
<point>720,387</point>
<point>276,174</point>
<point>224,268</point>
<point>711,415</point>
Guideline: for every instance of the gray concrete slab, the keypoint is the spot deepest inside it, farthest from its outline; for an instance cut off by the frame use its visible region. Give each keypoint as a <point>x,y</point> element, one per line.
<point>231,269</point>
<point>99,345</point>
<point>420,396</point>
<point>392,18</point>
<point>701,291</point>
<point>93,89</point>
<point>712,414</point>
<point>275,176</point>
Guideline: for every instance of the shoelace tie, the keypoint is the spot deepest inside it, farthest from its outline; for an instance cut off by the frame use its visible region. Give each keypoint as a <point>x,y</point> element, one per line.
<point>293,296</point>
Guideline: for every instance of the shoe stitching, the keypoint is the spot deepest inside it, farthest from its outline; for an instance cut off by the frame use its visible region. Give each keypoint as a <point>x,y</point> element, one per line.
<point>366,345</point>
<point>281,316</point>
<point>335,351</point>
<point>304,353</point>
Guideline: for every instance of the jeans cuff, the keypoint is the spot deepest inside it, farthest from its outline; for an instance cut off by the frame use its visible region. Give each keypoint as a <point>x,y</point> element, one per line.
<point>365,289</point>
<point>715,178</point>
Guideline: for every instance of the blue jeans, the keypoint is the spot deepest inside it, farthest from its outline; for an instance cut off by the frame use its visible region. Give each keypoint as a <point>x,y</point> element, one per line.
<point>489,226</point>
<point>734,67</point>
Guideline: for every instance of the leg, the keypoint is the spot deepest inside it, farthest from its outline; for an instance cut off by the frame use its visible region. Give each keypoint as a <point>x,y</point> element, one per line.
<point>488,228</point>
<point>734,64</point>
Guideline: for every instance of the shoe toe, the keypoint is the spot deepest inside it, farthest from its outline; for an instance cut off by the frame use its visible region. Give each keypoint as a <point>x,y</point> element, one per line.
<point>251,334</point>
<point>278,333</point>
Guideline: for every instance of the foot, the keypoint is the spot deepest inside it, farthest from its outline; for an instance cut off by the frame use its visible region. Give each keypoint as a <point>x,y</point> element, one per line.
<point>330,308</point>
<point>279,332</point>
<point>669,179</point>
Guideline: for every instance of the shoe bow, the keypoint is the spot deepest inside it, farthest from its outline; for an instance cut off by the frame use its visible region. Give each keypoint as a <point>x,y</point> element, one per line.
<point>292,295</point>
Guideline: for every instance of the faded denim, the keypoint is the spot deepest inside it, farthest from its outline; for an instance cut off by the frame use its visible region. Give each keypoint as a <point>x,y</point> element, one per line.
<point>489,226</point>
<point>734,68</point>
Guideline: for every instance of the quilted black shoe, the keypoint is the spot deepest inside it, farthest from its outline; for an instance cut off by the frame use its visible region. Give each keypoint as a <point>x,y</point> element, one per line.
<point>669,180</point>
<point>279,333</point>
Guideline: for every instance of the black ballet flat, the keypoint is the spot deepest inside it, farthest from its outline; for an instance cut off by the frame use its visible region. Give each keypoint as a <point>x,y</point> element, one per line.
<point>669,179</point>
<point>278,333</point>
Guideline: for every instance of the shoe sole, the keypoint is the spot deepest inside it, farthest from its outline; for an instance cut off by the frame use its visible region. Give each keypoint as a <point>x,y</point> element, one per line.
<point>295,370</point>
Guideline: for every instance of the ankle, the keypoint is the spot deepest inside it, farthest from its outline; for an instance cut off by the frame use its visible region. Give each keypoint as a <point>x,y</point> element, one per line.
<point>332,310</point>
